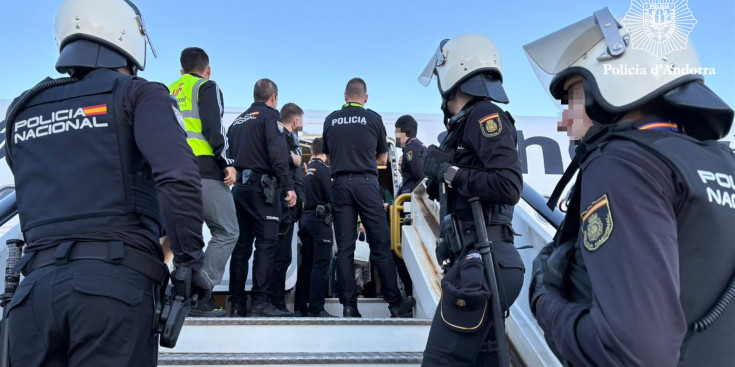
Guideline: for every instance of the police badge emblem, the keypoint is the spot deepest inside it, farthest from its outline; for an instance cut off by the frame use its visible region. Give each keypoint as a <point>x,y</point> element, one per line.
<point>597,223</point>
<point>409,155</point>
<point>659,27</point>
<point>490,126</point>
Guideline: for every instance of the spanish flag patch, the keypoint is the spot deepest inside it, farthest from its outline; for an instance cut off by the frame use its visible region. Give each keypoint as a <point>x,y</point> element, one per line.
<point>597,223</point>
<point>100,109</point>
<point>490,125</point>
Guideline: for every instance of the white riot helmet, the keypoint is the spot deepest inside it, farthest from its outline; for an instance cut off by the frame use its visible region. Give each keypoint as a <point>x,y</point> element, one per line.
<point>471,62</point>
<point>618,78</point>
<point>100,34</point>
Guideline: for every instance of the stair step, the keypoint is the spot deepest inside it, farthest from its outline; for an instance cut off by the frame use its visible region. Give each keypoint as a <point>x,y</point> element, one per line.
<point>302,334</point>
<point>318,321</point>
<point>244,359</point>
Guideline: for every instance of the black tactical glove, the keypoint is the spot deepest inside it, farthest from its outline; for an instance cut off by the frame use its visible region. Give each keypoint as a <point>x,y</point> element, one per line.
<point>538,287</point>
<point>436,163</point>
<point>201,284</point>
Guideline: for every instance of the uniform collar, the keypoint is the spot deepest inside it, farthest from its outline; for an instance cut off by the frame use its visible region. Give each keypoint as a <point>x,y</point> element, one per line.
<point>411,140</point>
<point>196,75</point>
<point>656,123</point>
<point>352,104</point>
<point>317,160</point>
<point>262,104</point>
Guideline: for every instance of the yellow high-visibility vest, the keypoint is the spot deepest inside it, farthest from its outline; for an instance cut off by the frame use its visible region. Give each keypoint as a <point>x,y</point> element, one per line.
<point>186,92</point>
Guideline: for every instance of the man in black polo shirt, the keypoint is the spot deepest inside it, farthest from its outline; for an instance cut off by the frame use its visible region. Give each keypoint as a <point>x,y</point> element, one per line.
<point>261,159</point>
<point>355,138</point>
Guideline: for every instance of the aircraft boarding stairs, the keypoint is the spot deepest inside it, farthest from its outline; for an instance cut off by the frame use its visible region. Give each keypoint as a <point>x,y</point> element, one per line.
<point>375,339</point>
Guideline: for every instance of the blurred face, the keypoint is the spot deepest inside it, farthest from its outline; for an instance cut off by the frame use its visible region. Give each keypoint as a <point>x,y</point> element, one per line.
<point>297,122</point>
<point>574,119</point>
<point>401,138</point>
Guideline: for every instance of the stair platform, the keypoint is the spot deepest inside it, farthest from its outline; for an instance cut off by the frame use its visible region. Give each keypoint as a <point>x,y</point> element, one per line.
<point>290,359</point>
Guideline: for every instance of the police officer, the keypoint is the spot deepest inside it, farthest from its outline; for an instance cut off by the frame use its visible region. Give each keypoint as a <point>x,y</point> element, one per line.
<point>355,138</point>
<point>645,250</point>
<point>316,236</point>
<point>291,116</point>
<point>200,101</point>
<point>261,159</point>
<point>412,160</point>
<point>93,157</point>
<point>478,158</point>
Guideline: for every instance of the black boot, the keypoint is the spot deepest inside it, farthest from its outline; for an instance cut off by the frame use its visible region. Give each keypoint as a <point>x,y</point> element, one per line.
<point>350,311</point>
<point>206,308</point>
<point>266,309</point>
<point>238,310</point>
<point>321,313</point>
<point>403,309</point>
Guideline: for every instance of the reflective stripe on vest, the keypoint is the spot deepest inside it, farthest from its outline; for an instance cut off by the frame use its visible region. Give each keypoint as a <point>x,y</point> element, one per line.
<point>186,92</point>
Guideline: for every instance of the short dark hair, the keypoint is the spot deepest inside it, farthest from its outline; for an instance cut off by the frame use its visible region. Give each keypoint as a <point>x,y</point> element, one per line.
<point>317,146</point>
<point>264,89</point>
<point>194,59</point>
<point>289,111</point>
<point>356,88</point>
<point>407,124</point>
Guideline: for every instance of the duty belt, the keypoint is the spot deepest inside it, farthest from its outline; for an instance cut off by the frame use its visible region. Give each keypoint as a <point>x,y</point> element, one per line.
<point>112,252</point>
<point>254,175</point>
<point>499,232</point>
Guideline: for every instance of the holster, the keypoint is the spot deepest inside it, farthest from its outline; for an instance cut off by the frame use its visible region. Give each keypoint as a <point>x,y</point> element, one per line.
<point>175,305</point>
<point>270,189</point>
<point>324,212</point>
<point>450,243</point>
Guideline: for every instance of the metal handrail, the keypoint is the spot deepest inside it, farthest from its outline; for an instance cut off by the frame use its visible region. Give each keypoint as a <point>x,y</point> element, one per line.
<point>8,208</point>
<point>395,224</point>
<point>538,203</point>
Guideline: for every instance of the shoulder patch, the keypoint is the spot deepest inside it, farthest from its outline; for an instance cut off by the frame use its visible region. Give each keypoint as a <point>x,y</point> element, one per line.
<point>280,127</point>
<point>409,155</point>
<point>179,117</point>
<point>490,125</point>
<point>597,223</point>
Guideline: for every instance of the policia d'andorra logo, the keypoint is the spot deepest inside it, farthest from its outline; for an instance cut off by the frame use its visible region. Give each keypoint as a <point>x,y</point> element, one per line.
<point>597,223</point>
<point>659,27</point>
<point>409,156</point>
<point>490,125</point>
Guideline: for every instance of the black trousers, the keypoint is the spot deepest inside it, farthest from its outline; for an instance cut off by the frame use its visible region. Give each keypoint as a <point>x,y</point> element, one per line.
<point>259,221</point>
<point>353,195</point>
<point>281,260</point>
<point>446,347</point>
<point>83,313</point>
<point>403,274</point>
<point>316,253</point>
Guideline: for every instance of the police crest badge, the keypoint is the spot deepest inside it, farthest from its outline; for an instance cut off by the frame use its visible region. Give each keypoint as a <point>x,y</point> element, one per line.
<point>597,223</point>
<point>490,126</point>
<point>409,155</point>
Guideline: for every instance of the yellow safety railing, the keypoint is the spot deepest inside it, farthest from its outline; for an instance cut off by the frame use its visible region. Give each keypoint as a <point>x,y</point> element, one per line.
<point>395,224</point>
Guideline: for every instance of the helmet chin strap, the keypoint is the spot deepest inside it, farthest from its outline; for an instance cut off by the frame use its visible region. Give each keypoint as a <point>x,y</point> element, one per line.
<point>451,120</point>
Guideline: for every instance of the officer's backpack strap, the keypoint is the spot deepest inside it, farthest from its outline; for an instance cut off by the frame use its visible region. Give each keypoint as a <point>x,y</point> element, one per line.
<point>20,103</point>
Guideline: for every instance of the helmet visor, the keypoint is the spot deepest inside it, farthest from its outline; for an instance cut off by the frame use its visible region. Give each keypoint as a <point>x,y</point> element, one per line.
<point>559,50</point>
<point>435,61</point>
<point>141,26</point>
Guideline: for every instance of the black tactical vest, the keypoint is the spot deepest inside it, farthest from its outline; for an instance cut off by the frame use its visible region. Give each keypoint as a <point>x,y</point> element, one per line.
<point>76,165</point>
<point>706,235</point>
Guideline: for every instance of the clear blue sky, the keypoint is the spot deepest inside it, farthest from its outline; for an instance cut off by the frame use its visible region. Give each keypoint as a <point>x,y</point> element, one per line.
<point>311,48</point>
